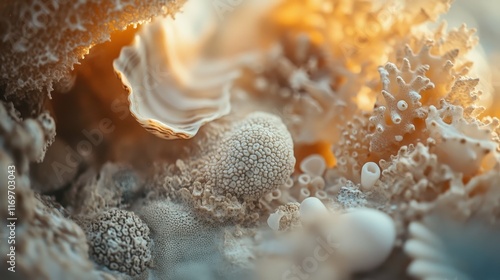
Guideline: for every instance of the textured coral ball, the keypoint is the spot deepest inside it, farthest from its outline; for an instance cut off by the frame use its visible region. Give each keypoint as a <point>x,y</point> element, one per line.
<point>254,158</point>
<point>119,240</point>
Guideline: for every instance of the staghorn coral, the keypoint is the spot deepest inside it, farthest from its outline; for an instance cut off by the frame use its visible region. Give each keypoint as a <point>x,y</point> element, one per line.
<point>119,240</point>
<point>42,40</point>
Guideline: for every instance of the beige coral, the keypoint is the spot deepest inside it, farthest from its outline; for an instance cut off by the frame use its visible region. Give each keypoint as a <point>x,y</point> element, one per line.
<point>51,246</point>
<point>183,245</point>
<point>119,240</point>
<point>44,39</point>
<point>478,142</point>
<point>254,158</point>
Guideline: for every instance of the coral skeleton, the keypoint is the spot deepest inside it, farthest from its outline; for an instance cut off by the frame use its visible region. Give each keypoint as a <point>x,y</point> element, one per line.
<point>250,140</point>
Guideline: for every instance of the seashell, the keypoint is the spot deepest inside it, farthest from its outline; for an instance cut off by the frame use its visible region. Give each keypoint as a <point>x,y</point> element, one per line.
<point>175,88</point>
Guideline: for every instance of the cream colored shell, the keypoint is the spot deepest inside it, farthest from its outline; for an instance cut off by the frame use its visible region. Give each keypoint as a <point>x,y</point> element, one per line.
<point>173,91</point>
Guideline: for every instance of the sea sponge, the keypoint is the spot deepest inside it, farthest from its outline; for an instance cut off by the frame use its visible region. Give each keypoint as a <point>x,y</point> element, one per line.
<point>42,40</point>
<point>254,158</point>
<point>119,240</point>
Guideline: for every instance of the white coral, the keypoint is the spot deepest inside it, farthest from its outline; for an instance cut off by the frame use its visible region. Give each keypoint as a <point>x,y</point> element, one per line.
<point>119,240</point>
<point>256,157</point>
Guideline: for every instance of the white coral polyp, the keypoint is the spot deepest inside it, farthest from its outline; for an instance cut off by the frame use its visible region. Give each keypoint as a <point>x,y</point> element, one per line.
<point>370,173</point>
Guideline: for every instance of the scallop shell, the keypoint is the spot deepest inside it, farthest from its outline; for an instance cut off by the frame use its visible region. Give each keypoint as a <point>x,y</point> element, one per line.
<point>173,89</point>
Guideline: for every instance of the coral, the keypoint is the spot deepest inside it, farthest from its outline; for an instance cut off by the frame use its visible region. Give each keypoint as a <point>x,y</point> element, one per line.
<point>351,128</point>
<point>254,158</point>
<point>119,240</point>
<point>27,140</point>
<point>94,191</point>
<point>50,246</point>
<point>396,117</point>
<point>42,40</point>
<point>479,143</point>
<point>286,217</point>
<point>183,245</point>
<point>233,165</point>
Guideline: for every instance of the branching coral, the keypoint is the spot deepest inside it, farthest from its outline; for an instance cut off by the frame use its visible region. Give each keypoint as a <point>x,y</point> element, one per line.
<point>119,240</point>
<point>42,40</point>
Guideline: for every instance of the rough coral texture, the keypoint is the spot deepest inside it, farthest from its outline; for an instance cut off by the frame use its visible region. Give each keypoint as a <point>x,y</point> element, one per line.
<point>119,240</point>
<point>254,158</point>
<point>184,246</point>
<point>337,84</point>
<point>42,40</point>
<point>237,164</point>
<point>94,191</point>
<point>59,243</point>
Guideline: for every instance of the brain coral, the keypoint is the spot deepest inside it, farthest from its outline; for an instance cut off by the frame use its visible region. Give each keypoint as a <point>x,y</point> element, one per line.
<point>120,241</point>
<point>42,40</point>
<point>254,158</point>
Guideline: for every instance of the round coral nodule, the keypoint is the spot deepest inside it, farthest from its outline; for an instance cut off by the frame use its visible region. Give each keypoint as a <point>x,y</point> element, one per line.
<point>255,158</point>
<point>119,240</point>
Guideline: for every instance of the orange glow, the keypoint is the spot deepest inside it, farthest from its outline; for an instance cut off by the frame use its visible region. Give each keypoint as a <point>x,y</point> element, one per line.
<point>321,148</point>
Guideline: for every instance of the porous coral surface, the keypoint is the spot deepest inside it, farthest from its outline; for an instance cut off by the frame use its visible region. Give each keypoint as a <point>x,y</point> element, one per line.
<point>318,139</point>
